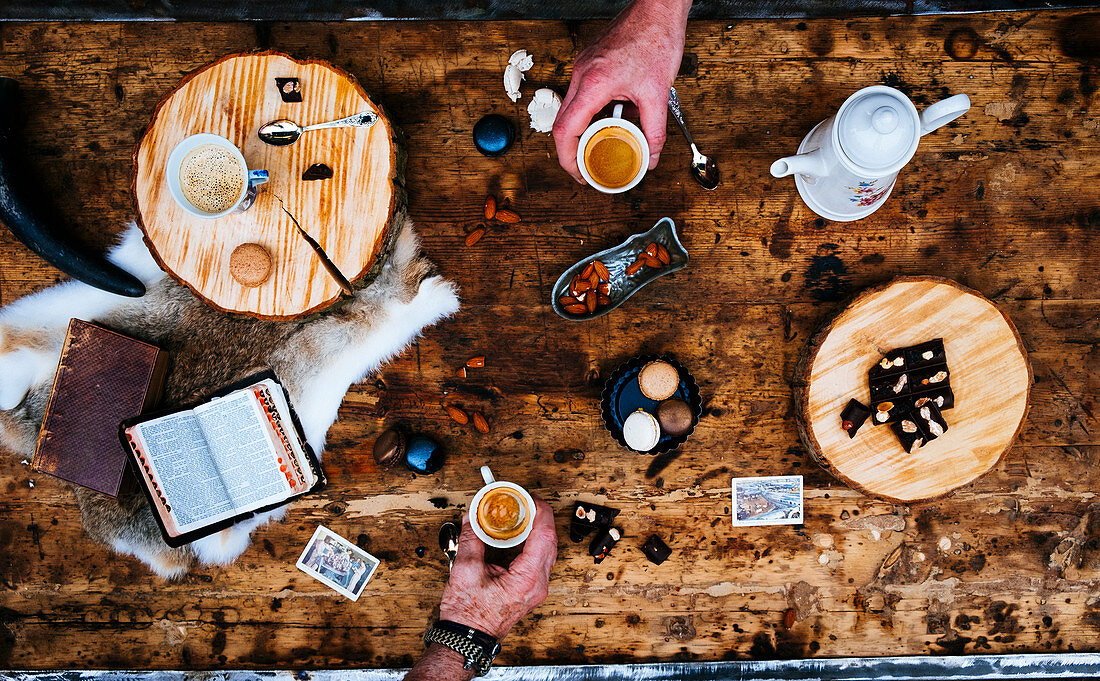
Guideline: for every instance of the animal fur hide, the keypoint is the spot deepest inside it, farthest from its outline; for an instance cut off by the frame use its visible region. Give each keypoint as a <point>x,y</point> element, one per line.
<point>316,359</point>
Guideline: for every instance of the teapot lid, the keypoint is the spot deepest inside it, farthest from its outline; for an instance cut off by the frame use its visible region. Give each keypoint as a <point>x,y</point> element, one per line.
<point>878,129</point>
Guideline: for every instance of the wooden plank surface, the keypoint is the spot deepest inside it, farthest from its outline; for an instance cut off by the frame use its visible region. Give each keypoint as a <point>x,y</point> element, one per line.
<point>1004,200</point>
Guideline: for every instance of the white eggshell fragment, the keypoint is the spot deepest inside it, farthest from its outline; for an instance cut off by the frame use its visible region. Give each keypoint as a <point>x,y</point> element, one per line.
<point>543,109</point>
<point>519,62</point>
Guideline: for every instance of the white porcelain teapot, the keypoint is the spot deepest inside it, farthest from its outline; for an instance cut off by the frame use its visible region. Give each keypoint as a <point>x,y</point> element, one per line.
<point>846,166</point>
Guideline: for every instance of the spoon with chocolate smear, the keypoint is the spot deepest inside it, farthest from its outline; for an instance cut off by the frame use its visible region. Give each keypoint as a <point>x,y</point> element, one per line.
<point>285,131</point>
<point>703,169</point>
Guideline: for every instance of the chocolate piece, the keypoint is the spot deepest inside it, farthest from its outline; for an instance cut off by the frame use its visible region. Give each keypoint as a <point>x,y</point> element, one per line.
<point>888,411</point>
<point>941,397</point>
<point>929,378</point>
<point>587,517</point>
<point>675,417</point>
<point>892,363</point>
<point>931,421</point>
<point>908,432</point>
<point>853,416</point>
<point>424,455</point>
<point>289,89</point>
<point>603,542</point>
<point>889,387</point>
<point>317,171</point>
<point>493,135</point>
<point>389,448</point>
<point>656,550</point>
<point>925,354</point>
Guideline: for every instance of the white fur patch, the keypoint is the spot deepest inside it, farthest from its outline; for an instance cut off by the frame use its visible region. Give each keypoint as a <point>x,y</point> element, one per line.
<point>349,358</point>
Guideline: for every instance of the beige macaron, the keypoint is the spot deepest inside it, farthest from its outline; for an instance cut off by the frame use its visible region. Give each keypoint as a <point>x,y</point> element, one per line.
<point>250,264</point>
<point>658,380</point>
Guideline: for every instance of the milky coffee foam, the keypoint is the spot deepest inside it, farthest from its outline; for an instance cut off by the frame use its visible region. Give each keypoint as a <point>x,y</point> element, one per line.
<point>211,178</point>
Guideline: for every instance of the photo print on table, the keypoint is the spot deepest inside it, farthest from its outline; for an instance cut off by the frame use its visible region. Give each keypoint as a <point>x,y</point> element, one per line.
<point>775,500</point>
<point>337,563</point>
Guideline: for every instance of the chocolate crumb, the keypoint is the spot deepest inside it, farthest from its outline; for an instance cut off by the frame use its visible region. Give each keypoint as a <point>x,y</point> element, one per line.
<point>317,171</point>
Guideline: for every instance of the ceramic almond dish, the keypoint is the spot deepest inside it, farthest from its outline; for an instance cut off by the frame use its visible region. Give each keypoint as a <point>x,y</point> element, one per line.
<point>618,261</point>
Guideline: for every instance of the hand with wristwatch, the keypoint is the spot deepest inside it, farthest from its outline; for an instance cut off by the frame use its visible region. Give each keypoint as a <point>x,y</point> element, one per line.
<point>483,601</point>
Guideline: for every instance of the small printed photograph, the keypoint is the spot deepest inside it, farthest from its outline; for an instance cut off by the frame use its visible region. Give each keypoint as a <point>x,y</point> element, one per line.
<point>775,500</point>
<point>337,563</point>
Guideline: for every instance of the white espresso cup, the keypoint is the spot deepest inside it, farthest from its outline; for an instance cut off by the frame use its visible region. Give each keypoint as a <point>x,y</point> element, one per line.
<point>247,179</point>
<point>526,510</point>
<point>614,120</point>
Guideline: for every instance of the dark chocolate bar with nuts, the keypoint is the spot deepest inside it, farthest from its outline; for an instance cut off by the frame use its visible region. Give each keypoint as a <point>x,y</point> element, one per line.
<point>889,387</point>
<point>909,431</point>
<point>603,542</point>
<point>656,550</point>
<point>943,398</point>
<point>853,416</point>
<point>929,378</point>
<point>587,517</point>
<point>891,363</point>
<point>931,421</point>
<point>925,354</point>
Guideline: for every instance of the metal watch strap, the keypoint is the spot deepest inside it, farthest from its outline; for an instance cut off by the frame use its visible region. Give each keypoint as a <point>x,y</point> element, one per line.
<point>478,648</point>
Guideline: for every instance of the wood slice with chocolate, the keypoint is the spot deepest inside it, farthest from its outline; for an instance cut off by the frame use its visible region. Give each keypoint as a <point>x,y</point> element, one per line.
<point>349,213</point>
<point>990,382</point>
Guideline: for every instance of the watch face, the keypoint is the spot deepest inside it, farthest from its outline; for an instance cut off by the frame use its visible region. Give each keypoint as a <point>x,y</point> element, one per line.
<point>496,650</point>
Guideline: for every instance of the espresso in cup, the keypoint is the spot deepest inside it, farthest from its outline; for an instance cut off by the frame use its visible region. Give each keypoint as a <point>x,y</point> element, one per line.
<point>503,513</point>
<point>212,178</point>
<point>613,157</point>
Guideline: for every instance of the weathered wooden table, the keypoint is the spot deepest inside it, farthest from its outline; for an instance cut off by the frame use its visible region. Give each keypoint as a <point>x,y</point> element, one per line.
<point>1005,200</point>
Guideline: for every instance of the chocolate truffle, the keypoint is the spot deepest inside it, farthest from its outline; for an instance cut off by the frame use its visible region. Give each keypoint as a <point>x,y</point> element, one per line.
<point>641,431</point>
<point>424,455</point>
<point>675,417</point>
<point>656,550</point>
<point>658,380</point>
<point>493,135</point>
<point>389,448</point>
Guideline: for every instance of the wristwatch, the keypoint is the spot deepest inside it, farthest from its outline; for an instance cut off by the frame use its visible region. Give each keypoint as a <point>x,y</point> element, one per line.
<point>479,648</point>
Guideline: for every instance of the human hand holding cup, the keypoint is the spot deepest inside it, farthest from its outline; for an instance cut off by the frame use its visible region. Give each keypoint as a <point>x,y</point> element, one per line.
<point>208,177</point>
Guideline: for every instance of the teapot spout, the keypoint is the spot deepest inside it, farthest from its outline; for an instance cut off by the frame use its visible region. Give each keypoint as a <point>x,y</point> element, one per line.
<point>811,164</point>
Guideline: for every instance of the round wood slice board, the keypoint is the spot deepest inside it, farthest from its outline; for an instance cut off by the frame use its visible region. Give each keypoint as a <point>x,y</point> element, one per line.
<point>990,377</point>
<point>349,215</point>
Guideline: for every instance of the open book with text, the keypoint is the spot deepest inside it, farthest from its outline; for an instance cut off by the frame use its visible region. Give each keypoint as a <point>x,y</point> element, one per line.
<point>213,465</point>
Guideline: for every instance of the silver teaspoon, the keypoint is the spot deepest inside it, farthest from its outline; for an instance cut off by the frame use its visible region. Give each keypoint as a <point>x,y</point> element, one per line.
<point>703,169</point>
<point>285,131</point>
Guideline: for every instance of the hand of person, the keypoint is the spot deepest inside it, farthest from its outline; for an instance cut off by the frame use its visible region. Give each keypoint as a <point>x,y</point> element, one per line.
<point>636,58</point>
<point>491,598</point>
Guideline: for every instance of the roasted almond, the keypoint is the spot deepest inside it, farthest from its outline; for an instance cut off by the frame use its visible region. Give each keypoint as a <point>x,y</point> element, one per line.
<point>789,618</point>
<point>590,301</point>
<point>480,423</point>
<point>601,269</point>
<point>461,373</point>
<point>476,362</point>
<point>662,254</point>
<point>475,236</point>
<point>603,299</point>
<point>573,284</point>
<point>458,416</point>
<point>651,260</point>
<point>651,249</point>
<point>576,309</point>
<point>604,288</point>
<point>634,267</point>
<point>588,270</point>
<point>490,207</point>
<point>594,280</point>
<point>508,216</point>
<point>583,285</point>
<point>567,300</point>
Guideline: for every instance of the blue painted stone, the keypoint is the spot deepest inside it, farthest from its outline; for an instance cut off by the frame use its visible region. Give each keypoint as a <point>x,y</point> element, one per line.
<point>494,134</point>
<point>424,455</point>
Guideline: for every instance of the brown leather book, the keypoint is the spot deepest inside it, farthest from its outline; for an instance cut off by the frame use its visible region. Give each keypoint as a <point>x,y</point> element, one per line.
<point>102,378</point>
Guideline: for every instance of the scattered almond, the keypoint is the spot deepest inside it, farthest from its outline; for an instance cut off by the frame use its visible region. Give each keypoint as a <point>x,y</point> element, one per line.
<point>576,309</point>
<point>508,216</point>
<point>651,249</point>
<point>591,301</point>
<point>490,207</point>
<point>458,416</point>
<point>475,236</point>
<point>583,285</point>
<point>461,373</point>
<point>567,300</point>
<point>480,423</point>
<point>789,618</point>
<point>604,288</point>
<point>476,362</point>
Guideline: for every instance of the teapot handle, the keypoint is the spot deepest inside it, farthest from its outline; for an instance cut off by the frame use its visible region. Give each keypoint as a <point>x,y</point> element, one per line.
<point>942,113</point>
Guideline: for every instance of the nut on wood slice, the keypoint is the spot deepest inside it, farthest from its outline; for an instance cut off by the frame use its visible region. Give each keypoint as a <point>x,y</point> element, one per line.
<point>349,214</point>
<point>990,376</point>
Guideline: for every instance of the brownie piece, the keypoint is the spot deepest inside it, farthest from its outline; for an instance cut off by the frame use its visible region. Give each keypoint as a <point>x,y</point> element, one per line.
<point>853,416</point>
<point>925,354</point>
<point>656,550</point>
<point>908,431</point>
